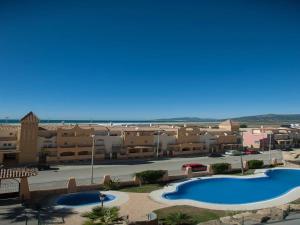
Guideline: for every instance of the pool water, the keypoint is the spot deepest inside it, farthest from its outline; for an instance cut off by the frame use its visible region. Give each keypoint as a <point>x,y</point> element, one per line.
<point>238,190</point>
<point>82,198</point>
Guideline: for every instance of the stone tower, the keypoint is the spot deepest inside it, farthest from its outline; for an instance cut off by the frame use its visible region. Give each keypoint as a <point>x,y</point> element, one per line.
<point>29,139</point>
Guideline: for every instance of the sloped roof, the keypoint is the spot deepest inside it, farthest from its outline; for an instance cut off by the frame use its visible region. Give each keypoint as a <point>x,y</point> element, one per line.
<point>30,117</point>
<point>229,123</point>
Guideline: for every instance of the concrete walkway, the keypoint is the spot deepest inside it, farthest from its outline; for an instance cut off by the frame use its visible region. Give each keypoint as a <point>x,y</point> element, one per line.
<point>139,206</point>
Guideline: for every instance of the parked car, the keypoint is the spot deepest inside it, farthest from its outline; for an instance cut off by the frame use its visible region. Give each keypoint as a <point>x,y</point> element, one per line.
<point>195,167</point>
<point>233,152</point>
<point>287,149</point>
<point>40,167</point>
<point>251,152</point>
<point>215,154</point>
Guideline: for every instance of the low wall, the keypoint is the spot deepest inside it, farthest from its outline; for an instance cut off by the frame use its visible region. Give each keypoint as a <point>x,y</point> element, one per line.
<point>40,194</point>
<point>89,187</point>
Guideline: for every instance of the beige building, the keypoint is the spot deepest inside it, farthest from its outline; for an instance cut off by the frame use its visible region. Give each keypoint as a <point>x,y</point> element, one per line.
<point>229,125</point>
<point>31,142</point>
<point>188,141</point>
<point>9,153</point>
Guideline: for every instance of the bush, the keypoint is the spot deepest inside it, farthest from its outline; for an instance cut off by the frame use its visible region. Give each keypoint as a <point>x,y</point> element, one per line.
<point>219,168</point>
<point>255,164</point>
<point>112,185</point>
<point>179,218</point>
<point>150,176</point>
<point>102,215</point>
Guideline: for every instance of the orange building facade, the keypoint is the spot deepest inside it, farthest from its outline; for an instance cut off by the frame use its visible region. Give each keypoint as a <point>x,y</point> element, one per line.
<point>32,142</point>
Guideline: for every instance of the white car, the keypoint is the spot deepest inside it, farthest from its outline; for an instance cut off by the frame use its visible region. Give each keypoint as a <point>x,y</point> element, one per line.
<point>233,152</point>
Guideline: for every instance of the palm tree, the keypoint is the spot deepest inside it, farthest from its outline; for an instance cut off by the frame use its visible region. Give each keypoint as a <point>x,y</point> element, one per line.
<point>102,216</point>
<point>178,218</point>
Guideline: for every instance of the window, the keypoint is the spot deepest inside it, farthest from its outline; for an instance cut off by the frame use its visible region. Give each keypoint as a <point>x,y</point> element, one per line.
<point>67,154</point>
<point>83,153</point>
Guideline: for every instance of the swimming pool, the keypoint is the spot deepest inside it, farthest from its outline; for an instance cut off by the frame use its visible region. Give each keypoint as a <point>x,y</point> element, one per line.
<point>234,190</point>
<point>82,199</point>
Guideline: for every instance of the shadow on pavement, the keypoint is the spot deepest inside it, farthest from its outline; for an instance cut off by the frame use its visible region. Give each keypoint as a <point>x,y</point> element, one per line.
<point>23,214</point>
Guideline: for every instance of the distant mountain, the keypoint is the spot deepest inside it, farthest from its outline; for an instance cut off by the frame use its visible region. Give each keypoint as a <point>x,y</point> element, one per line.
<point>267,118</point>
<point>270,118</point>
<point>258,119</point>
<point>188,119</point>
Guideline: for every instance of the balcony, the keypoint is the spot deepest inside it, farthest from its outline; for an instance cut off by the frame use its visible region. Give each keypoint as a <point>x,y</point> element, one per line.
<point>8,138</point>
<point>8,148</point>
<point>84,145</point>
<point>68,135</point>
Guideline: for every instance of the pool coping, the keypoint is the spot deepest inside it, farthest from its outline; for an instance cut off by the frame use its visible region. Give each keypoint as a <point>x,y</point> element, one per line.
<point>120,199</point>
<point>290,196</point>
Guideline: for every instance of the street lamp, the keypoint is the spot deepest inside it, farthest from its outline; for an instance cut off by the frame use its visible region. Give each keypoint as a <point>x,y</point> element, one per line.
<point>241,153</point>
<point>102,198</point>
<point>157,147</point>
<point>92,159</point>
<point>270,143</point>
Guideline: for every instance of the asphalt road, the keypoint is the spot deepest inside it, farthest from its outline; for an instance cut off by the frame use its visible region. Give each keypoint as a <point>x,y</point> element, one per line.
<point>293,219</point>
<point>125,169</point>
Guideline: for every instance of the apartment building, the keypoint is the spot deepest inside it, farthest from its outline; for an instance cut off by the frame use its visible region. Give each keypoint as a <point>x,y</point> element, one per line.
<point>262,138</point>
<point>32,142</point>
<point>229,125</point>
<point>188,141</point>
<point>8,144</point>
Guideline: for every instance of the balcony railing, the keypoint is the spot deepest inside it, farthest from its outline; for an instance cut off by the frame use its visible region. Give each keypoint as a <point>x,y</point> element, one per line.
<point>4,148</point>
<point>67,146</point>
<point>10,138</point>
<point>84,145</point>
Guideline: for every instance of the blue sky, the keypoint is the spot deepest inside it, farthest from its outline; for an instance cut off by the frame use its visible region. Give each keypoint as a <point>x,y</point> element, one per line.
<point>149,59</point>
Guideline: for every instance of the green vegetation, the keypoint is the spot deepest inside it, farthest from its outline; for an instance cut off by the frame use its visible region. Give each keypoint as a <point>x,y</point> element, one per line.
<point>112,185</point>
<point>178,218</point>
<point>145,188</point>
<point>195,215</point>
<point>102,216</point>
<point>243,125</point>
<point>255,164</point>
<point>220,168</point>
<point>150,176</point>
<point>247,172</point>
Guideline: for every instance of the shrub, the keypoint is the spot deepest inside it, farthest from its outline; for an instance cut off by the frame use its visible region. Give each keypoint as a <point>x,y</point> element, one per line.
<point>112,185</point>
<point>102,215</point>
<point>219,168</point>
<point>255,164</point>
<point>178,218</point>
<point>150,176</point>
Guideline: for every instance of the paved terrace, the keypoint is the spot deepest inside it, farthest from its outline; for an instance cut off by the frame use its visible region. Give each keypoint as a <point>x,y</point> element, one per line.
<point>124,170</point>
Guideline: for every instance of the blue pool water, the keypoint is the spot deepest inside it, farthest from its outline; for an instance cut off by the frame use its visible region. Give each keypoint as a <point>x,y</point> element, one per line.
<point>82,198</point>
<point>238,190</point>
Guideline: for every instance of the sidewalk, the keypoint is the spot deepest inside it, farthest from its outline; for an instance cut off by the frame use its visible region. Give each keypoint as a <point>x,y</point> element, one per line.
<point>139,206</point>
